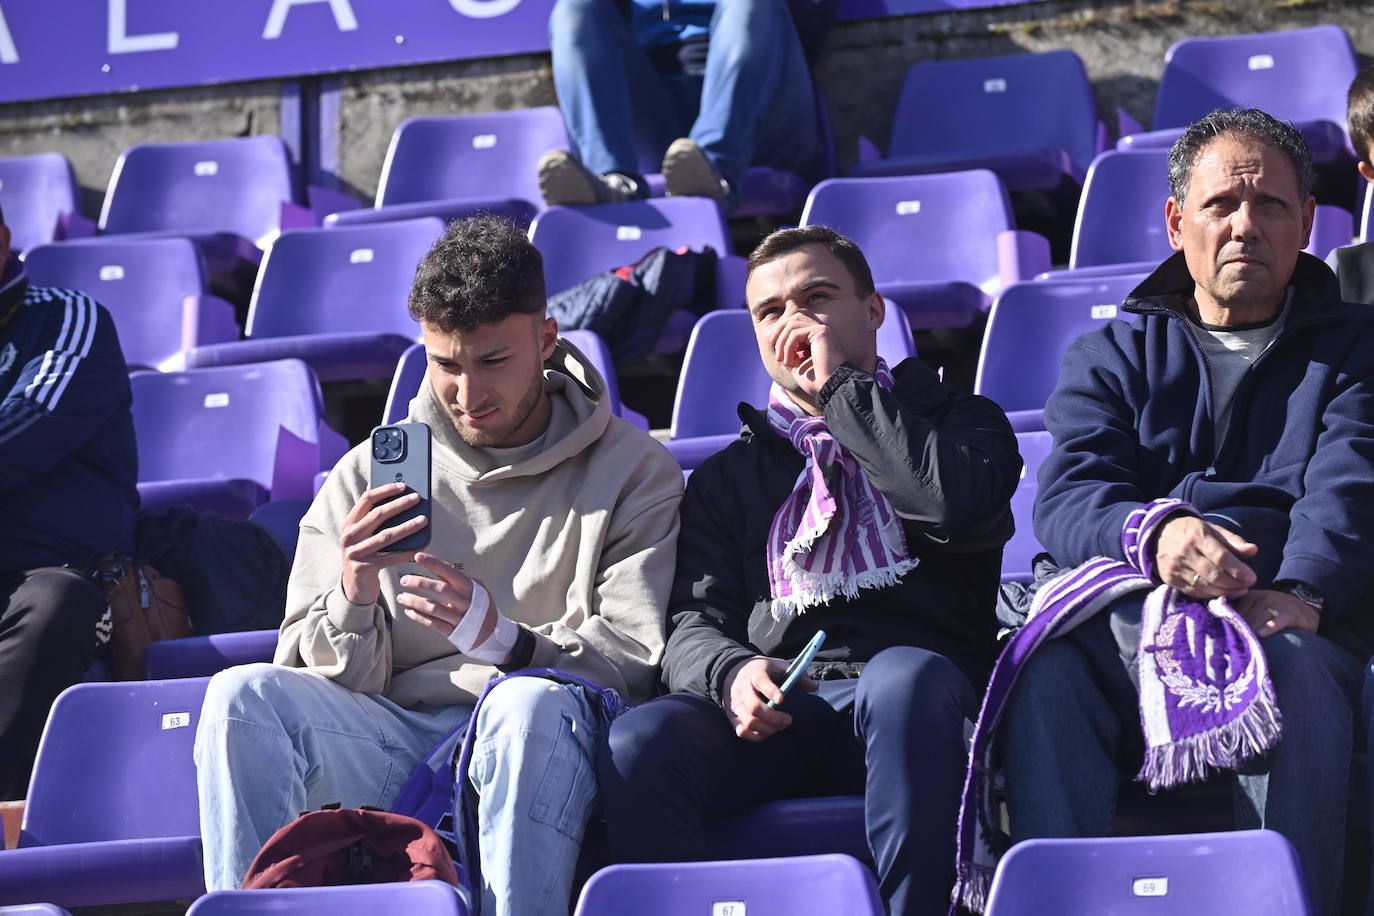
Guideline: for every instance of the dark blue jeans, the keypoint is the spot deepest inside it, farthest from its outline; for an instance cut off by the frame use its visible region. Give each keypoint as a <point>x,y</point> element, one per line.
<point>1073,725</point>
<point>753,106</point>
<point>672,767</point>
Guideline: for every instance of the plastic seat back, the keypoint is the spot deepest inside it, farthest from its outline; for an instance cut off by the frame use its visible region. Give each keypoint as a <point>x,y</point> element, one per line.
<point>720,368</point>
<point>1031,327</point>
<point>1296,75</point>
<point>115,764</point>
<point>1178,875</point>
<point>414,898</point>
<point>1021,549</point>
<point>478,156</point>
<point>919,228</point>
<point>143,283</point>
<point>579,242</point>
<point>346,279</point>
<point>981,104</point>
<point>758,887</point>
<point>37,193</point>
<point>258,422</point>
<point>1121,213</point>
<point>235,185</point>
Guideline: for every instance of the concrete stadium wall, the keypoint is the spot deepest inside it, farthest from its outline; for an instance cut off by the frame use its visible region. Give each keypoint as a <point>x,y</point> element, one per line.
<point>1122,45</point>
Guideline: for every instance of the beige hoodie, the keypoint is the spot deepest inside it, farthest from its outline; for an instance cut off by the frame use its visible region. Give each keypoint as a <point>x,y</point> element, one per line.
<point>577,541</point>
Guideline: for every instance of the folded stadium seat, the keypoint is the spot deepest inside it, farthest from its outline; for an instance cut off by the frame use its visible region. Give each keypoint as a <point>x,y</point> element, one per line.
<point>414,898</point>
<point>410,374</point>
<point>1029,118</point>
<point>580,242</point>
<point>1300,76</point>
<point>1029,330</point>
<point>232,438</point>
<point>227,196</point>
<point>157,291</point>
<point>459,165</point>
<point>112,813</point>
<point>1018,553</point>
<point>722,367</point>
<point>333,298</point>
<point>41,199</point>
<point>33,909</point>
<point>764,191</point>
<point>940,246</point>
<point>1151,876</point>
<point>756,887</point>
<point>282,519</point>
<point>1121,228</point>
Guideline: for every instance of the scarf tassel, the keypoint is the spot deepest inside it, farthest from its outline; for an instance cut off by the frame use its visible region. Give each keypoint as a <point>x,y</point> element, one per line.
<point>972,887</point>
<point>1195,757</point>
<point>822,588</point>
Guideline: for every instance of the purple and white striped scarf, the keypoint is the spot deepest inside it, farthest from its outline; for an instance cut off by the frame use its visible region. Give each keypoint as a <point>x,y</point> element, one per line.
<point>1206,701</point>
<point>836,533</point>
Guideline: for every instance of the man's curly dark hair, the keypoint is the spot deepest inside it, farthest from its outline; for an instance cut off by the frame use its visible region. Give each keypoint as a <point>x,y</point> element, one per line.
<point>481,271</point>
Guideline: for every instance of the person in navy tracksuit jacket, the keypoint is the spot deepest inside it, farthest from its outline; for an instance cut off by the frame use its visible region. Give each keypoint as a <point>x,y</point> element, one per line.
<point>68,468</point>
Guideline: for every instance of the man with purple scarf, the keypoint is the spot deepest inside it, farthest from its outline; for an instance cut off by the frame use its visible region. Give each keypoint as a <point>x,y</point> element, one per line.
<point>869,502</point>
<point>1212,486</point>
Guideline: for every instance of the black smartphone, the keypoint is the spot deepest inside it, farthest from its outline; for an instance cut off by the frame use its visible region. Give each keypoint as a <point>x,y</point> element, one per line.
<point>400,454</point>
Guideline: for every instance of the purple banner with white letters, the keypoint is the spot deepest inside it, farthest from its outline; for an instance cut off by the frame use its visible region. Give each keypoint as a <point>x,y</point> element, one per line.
<point>57,48</point>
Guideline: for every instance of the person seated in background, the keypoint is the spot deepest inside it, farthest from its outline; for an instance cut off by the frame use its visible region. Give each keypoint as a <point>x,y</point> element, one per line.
<point>720,84</point>
<point>1220,443</point>
<point>68,496</point>
<point>552,532</point>
<point>1354,264</point>
<point>868,502</point>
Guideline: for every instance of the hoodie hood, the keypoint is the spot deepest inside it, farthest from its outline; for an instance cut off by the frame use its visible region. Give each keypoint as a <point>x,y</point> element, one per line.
<point>579,413</point>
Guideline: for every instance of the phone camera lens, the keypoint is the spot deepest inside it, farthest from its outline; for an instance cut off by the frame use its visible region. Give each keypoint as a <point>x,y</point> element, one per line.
<point>379,451</point>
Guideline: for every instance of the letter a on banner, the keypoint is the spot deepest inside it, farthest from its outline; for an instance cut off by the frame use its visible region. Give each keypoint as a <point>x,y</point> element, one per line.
<point>121,42</point>
<point>9,54</point>
<point>276,19</point>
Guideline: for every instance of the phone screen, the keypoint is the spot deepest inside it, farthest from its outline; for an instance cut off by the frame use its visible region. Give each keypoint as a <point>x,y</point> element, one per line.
<point>800,664</point>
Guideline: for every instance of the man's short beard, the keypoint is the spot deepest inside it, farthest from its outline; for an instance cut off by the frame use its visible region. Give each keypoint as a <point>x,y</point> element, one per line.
<point>496,438</point>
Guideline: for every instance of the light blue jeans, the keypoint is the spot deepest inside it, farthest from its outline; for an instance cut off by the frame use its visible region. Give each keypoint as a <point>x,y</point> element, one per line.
<point>274,742</point>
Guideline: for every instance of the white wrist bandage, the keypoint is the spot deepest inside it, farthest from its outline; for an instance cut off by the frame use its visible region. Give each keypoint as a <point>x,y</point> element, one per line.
<point>497,647</point>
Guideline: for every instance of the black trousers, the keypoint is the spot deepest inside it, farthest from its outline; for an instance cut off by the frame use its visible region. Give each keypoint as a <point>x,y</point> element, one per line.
<point>48,621</point>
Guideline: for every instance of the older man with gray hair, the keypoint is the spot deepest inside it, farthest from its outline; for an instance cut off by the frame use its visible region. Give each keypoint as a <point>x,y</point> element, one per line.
<point>1217,446</point>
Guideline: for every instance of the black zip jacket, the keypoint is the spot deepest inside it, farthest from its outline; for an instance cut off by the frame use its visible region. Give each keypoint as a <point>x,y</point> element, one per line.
<point>947,461</point>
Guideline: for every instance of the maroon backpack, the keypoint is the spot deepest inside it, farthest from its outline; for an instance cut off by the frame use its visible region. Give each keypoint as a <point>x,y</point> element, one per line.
<point>336,845</point>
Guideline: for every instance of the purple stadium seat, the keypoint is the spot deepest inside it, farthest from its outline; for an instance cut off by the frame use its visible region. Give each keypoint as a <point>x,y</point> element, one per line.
<point>1029,330</point>
<point>1121,227</point>
<point>1023,546</point>
<point>40,198</point>
<point>459,165</point>
<point>795,827</point>
<point>961,225</point>
<point>225,195</point>
<point>1181,875</point>
<point>579,242</point>
<point>334,298</point>
<point>1299,76</point>
<point>232,438</point>
<point>722,367</point>
<point>1030,118</point>
<point>34,909</point>
<point>157,291</point>
<point>414,898</point>
<point>757,887</point>
<point>282,519</point>
<point>202,656</point>
<point>410,374</point>
<point>112,811</point>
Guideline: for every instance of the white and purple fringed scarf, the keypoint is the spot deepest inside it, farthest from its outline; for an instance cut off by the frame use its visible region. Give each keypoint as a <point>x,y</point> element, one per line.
<point>1206,701</point>
<point>836,533</point>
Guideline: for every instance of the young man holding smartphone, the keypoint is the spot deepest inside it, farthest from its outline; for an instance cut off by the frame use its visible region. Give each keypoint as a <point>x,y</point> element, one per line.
<point>867,501</point>
<point>551,541</point>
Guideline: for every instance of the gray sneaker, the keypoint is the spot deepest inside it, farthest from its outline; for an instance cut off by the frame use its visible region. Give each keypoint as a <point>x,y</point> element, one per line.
<point>687,172</point>
<point>566,182</point>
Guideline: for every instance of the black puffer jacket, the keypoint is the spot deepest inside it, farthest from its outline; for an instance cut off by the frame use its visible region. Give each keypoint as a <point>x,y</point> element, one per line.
<point>947,461</point>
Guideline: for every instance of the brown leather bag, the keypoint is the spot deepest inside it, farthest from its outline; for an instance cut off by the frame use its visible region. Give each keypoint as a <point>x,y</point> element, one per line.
<point>144,608</point>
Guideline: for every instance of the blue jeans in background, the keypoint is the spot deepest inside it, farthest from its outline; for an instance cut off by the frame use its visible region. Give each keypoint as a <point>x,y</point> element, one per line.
<point>1073,722</point>
<point>674,766</point>
<point>754,105</point>
<point>274,741</point>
